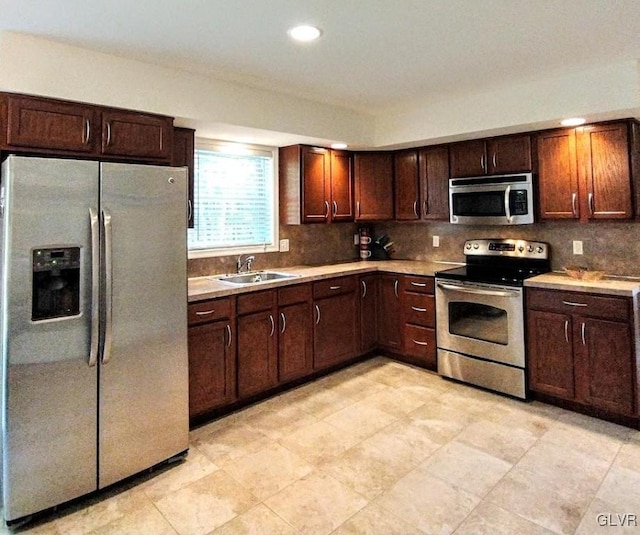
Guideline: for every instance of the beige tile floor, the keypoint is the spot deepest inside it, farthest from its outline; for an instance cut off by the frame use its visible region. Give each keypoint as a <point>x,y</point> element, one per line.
<point>382,448</point>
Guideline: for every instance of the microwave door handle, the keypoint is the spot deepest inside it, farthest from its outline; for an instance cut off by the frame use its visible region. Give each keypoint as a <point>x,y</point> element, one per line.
<point>477,291</point>
<point>507,211</point>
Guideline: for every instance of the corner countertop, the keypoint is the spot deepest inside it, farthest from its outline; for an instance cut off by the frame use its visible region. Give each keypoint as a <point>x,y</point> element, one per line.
<point>209,287</point>
<point>610,285</point>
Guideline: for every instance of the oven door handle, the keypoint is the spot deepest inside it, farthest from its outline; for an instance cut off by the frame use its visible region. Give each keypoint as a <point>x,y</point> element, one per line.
<point>507,210</point>
<point>477,291</point>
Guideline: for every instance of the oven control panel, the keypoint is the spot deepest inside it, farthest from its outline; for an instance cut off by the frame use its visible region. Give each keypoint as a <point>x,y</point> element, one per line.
<point>506,247</point>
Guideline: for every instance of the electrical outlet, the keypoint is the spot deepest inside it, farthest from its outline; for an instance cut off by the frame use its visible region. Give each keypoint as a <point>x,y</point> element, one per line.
<point>284,246</point>
<point>436,241</point>
<point>577,247</point>
<point>356,239</point>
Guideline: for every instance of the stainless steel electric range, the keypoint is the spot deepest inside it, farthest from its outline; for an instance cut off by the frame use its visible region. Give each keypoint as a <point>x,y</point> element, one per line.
<point>480,313</point>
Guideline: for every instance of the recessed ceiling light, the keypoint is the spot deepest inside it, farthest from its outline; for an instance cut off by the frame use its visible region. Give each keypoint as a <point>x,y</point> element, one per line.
<point>573,121</point>
<point>304,33</point>
<point>338,145</point>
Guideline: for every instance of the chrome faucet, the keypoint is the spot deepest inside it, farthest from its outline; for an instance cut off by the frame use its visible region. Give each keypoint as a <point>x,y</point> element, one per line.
<point>246,262</point>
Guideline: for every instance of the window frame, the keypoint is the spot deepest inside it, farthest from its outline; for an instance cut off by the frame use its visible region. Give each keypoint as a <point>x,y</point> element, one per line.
<point>231,147</point>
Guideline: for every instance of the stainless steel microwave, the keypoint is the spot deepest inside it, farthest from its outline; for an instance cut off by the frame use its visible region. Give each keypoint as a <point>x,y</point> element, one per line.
<point>492,200</point>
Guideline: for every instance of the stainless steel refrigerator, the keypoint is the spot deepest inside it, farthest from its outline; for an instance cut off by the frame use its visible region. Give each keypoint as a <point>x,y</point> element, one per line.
<point>94,326</point>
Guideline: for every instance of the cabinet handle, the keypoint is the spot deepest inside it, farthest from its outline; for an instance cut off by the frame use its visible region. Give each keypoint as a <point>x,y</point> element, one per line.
<point>189,210</point>
<point>566,331</point>
<point>317,315</point>
<point>358,208</point>
<point>395,288</point>
<point>335,208</point>
<point>582,333</point>
<point>228,327</point>
<point>108,134</point>
<point>418,309</point>
<point>572,304</point>
<point>273,325</point>
<point>418,284</point>
<point>87,131</point>
<point>284,322</point>
<point>364,289</point>
<point>574,198</point>
<point>590,203</point>
<point>326,209</point>
<point>482,162</point>
<point>415,208</point>
<point>425,205</point>
<point>495,161</point>
<point>205,312</point>
<point>334,287</point>
<point>418,342</point>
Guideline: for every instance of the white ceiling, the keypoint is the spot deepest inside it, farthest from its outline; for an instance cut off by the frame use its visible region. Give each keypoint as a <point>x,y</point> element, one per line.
<point>374,54</point>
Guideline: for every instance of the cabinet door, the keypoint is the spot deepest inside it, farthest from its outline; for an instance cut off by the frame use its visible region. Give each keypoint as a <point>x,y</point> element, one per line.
<point>368,313</point>
<point>420,345</point>
<point>604,364</point>
<point>137,135</point>
<point>511,154</point>
<point>407,185</point>
<point>550,353</point>
<point>604,157</point>
<point>257,358</point>
<point>341,186</point>
<point>50,124</point>
<point>182,155</point>
<point>557,175</point>
<point>433,166</point>
<point>389,321</point>
<point>373,178</point>
<point>295,350</point>
<point>335,337</point>
<point>315,185</point>
<point>212,367</point>
<point>468,158</point>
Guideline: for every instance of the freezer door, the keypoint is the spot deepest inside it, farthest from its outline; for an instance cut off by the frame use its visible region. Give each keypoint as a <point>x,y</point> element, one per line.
<point>143,407</point>
<point>49,390</point>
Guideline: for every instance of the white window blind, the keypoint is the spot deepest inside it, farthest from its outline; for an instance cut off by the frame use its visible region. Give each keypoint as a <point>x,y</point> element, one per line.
<point>234,199</point>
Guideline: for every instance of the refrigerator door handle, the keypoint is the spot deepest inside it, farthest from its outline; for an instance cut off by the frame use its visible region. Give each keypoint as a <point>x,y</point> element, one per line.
<point>108,289</point>
<point>95,287</point>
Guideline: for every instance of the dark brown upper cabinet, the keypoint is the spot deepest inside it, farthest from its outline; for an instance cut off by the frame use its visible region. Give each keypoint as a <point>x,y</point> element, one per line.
<point>316,185</point>
<point>422,184</point>
<point>183,155</point>
<point>500,155</point>
<point>373,177</point>
<point>128,133</point>
<point>585,173</point>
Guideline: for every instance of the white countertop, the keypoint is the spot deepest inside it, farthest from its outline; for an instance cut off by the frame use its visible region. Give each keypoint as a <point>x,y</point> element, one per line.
<point>611,285</point>
<point>208,287</point>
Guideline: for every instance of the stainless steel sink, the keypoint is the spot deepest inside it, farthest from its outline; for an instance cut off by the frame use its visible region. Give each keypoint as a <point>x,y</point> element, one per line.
<point>254,277</point>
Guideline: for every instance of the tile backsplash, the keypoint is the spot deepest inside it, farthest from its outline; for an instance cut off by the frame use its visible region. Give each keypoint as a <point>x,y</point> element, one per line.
<point>610,246</point>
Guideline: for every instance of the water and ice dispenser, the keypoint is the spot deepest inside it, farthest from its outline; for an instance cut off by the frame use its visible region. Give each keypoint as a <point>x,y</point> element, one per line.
<point>56,283</point>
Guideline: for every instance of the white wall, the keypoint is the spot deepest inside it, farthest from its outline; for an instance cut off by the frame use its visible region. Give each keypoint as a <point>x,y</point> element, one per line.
<point>605,92</point>
<point>231,111</point>
<point>37,66</point>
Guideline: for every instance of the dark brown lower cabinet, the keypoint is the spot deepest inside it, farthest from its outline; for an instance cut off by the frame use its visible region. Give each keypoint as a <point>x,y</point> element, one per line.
<point>335,334</point>
<point>581,349</point>
<point>389,320</point>
<point>295,348</point>
<point>257,343</point>
<point>368,313</point>
<point>212,356</point>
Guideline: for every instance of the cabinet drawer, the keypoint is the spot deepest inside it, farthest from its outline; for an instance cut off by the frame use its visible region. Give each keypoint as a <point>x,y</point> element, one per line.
<point>256,302</point>
<point>420,342</point>
<point>412,283</point>
<point>211,310</point>
<point>612,308</point>
<point>337,286</point>
<point>419,309</point>
<point>291,295</point>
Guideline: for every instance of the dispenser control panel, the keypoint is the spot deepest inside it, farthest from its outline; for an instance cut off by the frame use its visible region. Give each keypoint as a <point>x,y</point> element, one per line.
<point>55,291</point>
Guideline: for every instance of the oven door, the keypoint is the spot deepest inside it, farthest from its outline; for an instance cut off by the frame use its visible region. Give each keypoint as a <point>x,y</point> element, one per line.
<point>481,320</point>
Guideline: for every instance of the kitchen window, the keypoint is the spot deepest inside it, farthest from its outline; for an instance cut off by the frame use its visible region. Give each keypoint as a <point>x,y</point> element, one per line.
<point>235,199</point>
